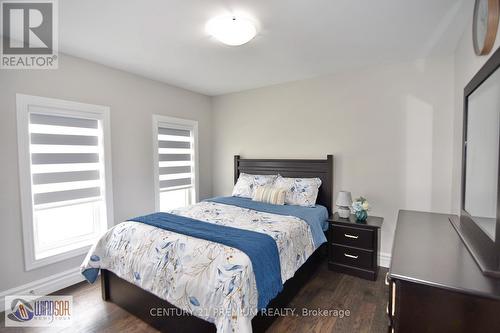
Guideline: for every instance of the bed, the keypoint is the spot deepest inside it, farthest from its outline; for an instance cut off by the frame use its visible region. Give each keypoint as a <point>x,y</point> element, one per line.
<point>170,305</point>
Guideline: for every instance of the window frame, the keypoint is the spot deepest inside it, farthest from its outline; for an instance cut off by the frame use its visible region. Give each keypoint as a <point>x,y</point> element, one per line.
<point>61,108</point>
<point>177,123</point>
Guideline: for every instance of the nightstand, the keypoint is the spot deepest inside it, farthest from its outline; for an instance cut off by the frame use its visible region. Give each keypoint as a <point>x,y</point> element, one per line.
<point>353,246</point>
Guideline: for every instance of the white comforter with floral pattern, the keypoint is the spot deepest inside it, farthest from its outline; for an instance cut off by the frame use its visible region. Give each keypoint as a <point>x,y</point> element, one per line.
<point>209,280</point>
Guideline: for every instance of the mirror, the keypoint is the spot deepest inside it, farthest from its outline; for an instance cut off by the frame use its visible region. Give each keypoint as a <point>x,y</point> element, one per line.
<point>482,153</point>
<point>479,223</point>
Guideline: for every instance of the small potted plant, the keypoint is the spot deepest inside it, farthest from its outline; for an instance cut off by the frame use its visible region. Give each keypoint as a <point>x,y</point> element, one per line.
<point>360,206</point>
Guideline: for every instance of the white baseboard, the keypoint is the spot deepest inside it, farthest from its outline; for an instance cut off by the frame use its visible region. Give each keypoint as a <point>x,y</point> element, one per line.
<point>384,259</point>
<point>44,286</point>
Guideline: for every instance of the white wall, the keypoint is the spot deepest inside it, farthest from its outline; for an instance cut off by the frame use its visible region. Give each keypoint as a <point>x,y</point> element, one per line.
<point>389,127</point>
<point>467,64</point>
<point>132,100</point>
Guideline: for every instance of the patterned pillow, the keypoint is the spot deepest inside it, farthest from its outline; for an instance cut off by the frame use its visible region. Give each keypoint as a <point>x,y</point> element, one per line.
<point>299,191</point>
<point>269,194</point>
<point>246,184</point>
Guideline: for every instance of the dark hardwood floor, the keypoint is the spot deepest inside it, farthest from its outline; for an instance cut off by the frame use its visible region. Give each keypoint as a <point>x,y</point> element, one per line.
<point>365,300</point>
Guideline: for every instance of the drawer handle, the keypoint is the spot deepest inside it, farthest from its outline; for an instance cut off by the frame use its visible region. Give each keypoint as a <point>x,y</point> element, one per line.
<point>387,278</point>
<point>351,256</point>
<point>351,236</point>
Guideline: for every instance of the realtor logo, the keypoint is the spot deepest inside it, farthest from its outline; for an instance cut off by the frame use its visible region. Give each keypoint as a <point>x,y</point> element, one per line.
<point>21,310</point>
<point>38,311</point>
<point>29,34</point>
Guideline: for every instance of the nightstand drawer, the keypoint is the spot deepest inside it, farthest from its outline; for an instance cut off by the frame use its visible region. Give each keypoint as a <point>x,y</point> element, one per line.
<point>361,238</point>
<point>352,257</point>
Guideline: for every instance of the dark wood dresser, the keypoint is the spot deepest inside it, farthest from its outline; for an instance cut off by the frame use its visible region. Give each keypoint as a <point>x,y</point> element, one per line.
<point>435,284</point>
<point>353,246</point>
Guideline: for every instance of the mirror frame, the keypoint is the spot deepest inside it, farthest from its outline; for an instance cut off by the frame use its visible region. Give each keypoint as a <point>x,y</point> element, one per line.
<point>485,251</point>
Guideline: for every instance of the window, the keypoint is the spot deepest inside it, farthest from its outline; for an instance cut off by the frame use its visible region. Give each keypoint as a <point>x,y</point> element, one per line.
<point>175,145</point>
<point>64,176</point>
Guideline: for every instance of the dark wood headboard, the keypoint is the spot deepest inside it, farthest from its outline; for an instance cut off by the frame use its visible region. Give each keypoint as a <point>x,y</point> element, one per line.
<point>322,169</point>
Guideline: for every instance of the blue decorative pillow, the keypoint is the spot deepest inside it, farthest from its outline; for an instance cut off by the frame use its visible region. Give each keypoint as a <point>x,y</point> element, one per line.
<point>246,184</point>
<point>299,191</point>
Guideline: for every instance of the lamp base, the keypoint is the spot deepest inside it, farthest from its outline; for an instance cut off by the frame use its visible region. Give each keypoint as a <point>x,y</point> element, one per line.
<point>344,212</point>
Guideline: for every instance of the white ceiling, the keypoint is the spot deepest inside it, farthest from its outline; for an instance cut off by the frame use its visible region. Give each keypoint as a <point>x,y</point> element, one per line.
<point>165,39</point>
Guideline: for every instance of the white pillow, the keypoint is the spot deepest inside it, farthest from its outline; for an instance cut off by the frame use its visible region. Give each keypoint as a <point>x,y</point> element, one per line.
<point>269,194</point>
<point>299,191</point>
<point>246,184</point>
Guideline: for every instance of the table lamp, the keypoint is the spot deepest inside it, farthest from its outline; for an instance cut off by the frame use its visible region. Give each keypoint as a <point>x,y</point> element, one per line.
<point>344,202</point>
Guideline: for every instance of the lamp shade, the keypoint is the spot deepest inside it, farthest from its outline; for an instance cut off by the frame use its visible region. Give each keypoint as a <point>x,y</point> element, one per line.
<point>344,199</point>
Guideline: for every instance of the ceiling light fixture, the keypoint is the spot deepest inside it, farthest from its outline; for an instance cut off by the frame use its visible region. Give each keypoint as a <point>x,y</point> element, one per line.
<point>231,30</point>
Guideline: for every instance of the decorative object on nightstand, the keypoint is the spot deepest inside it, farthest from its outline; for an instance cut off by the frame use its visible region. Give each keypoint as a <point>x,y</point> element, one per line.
<point>353,246</point>
<point>344,202</point>
<point>360,207</point>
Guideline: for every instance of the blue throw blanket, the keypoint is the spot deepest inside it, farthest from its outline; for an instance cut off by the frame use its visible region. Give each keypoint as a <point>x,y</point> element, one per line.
<point>260,248</point>
<point>316,216</point>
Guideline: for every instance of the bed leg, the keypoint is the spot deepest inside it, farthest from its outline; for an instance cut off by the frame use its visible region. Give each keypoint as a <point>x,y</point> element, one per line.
<point>104,285</point>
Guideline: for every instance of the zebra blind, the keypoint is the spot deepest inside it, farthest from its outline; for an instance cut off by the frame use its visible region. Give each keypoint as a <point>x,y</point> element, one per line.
<point>65,159</point>
<point>175,157</point>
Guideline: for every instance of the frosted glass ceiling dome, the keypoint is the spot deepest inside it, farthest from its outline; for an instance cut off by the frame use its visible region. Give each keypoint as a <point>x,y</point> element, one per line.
<point>231,30</point>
